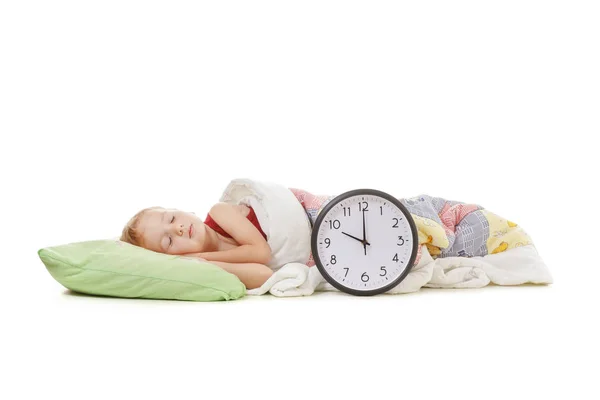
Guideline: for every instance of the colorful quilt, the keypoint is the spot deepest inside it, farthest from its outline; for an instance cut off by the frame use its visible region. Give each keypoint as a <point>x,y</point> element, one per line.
<point>461,245</point>
<point>447,228</point>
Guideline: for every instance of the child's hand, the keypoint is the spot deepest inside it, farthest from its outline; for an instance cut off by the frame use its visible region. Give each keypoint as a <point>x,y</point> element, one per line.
<point>191,257</point>
<point>198,256</point>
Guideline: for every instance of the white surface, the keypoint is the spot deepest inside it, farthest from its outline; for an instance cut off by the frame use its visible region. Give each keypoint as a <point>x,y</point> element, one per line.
<point>109,107</point>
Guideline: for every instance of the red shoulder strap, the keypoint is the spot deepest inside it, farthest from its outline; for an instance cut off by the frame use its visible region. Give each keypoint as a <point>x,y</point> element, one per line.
<point>212,224</point>
<point>251,217</point>
<point>254,219</point>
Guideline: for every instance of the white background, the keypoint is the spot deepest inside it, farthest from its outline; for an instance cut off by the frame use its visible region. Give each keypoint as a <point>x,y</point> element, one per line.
<point>108,107</point>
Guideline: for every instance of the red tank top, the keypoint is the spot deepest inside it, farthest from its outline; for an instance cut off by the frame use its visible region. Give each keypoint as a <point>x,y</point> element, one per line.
<point>251,217</point>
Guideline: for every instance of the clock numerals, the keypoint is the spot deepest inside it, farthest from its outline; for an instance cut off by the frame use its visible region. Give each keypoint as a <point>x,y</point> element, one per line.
<point>370,262</point>
<point>363,206</point>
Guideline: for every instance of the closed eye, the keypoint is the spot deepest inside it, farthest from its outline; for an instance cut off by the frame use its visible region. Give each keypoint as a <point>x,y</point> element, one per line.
<point>173,219</point>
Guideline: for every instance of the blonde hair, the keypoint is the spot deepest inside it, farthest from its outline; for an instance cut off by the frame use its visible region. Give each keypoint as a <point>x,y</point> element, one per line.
<point>131,232</point>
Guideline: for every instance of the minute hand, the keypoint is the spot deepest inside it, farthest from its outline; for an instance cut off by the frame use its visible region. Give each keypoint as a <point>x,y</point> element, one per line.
<point>364,230</point>
<point>364,240</point>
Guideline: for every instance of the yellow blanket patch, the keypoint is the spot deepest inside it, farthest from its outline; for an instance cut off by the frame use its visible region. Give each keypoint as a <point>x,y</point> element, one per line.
<point>504,234</point>
<point>430,232</point>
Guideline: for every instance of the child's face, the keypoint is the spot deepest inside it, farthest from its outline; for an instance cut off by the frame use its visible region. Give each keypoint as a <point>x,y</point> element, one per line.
<point>168,231</point>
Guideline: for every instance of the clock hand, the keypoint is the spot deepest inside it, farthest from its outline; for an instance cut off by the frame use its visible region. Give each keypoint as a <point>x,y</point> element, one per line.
<point>354,237</point>
<point>364,232</point>
<point>364,239</point>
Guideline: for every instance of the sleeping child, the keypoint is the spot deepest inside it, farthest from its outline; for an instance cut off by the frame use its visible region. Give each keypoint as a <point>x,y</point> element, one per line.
<point>258,227</point>
<point>230,237</point>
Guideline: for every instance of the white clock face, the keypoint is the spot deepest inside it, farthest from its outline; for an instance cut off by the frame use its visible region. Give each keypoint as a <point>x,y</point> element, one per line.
<point>369,264</point>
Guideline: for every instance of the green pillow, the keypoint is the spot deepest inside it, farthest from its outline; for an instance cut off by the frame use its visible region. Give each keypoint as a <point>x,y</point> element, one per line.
<point>119,269</point>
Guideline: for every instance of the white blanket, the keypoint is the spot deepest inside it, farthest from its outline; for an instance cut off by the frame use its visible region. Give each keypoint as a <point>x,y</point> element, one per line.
<point>519,266</point>
<point>288,230</point>
<point>280,215</point>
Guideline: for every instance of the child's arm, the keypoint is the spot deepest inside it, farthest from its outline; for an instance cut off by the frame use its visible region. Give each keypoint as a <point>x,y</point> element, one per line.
<point>253,246</point>
<point>252,275</point>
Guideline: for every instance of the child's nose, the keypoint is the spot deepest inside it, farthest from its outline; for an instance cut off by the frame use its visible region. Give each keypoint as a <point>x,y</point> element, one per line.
<point>179,229</point>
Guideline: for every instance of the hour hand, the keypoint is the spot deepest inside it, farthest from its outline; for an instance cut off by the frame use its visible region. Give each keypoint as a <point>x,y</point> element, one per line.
<point>353,237</point>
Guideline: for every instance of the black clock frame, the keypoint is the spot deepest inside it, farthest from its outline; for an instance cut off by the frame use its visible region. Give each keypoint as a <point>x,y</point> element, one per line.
<point>335,201</point>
